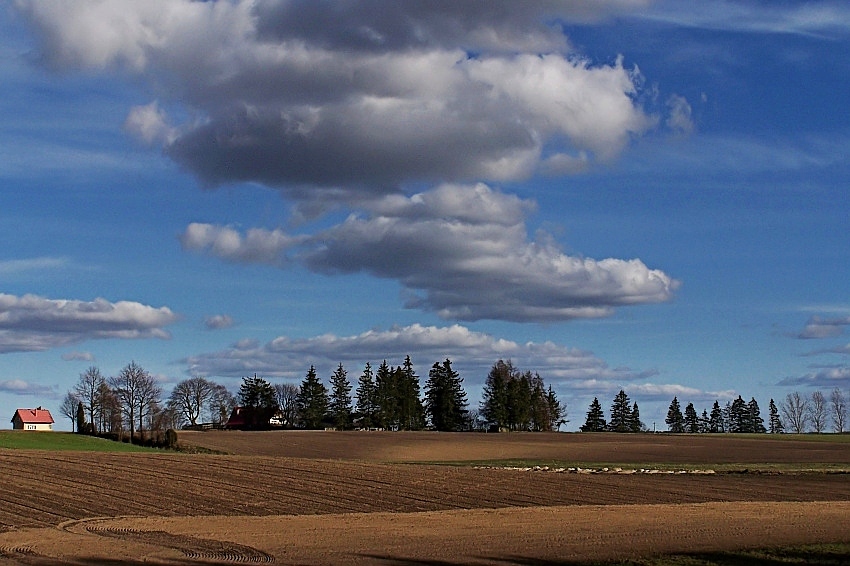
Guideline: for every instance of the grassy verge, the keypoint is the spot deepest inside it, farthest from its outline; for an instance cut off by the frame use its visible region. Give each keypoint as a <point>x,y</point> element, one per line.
<point>818,554</point>
<point>63,441</point>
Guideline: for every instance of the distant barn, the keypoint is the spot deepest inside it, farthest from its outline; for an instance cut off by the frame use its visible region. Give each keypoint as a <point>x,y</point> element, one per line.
<point>32,419</point>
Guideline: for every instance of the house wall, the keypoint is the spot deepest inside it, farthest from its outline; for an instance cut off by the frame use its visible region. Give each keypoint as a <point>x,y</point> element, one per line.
<point>18,424</point>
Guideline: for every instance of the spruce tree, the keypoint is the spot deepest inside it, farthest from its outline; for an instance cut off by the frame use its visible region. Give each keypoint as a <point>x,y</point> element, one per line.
<point>81,418</point>
<point>386,396</point>
<point>312,401</point>
<point>519,401</point>
<point>739,416</point>
<point>675,421</point>
<point>635,424</point>
<point>715,419</point>
<point>366,407</point>
<point>411,411</point>
<point>557,412</point>
<point>259,402</point>
<point>445,399</point>
<point>691,419</point>
<point>621,413</point>
<point>340,399</point>
<point>494,396</point>
<point>595,421</point>
<point>704,421</point>
<point>755,422</point>
<point>775,422</point>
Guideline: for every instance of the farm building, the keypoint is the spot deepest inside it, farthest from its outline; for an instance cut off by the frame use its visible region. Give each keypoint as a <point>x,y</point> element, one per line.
<point>32,419</point>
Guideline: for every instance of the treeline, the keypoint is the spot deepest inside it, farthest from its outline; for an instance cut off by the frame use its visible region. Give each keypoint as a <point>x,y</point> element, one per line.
<point>797,413</point>
<point>131,405</point>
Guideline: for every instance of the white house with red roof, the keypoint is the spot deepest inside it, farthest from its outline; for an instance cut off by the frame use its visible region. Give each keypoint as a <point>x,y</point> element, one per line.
<point>32,419</point>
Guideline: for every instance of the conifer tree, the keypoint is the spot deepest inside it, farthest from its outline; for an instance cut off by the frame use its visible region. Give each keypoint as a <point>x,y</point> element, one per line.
<point>445,399</point>
<point>259,401</point>
<point>340,399</point>
<point>494,397</point>
<point>81,418</point>
<point>557,412</point>
<point>312,401</point>
<point>386,396</point>
<point>595,421</point>
<point>739,416</point>
<point>691,420</point>
<point>754,421</point>
<point>411,411</point>
<point>715,419</point>
<point>519,401</point>
<point>621,413</point>
<point>366,405</point>
<point>704,421</point>
<point>635,423</point>
<point>775,422</point>
<point>675,421</point>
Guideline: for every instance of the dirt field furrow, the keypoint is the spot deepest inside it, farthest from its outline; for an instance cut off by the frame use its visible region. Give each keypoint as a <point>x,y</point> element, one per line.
<point>371,502</point>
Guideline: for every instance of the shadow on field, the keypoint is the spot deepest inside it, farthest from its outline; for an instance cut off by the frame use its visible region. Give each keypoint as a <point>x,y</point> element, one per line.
<point>818,555</point>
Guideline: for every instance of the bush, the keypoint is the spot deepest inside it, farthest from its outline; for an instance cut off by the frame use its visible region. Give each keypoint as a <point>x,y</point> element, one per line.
<point>170,438</point>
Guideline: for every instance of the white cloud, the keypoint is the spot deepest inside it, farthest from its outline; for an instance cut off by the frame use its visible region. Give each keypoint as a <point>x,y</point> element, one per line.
<point>823,19</point>
<point>679,119</point>
<point>461,252</point>
<point>818,327</point>
<point>218,322</point>
<point>824,377</point>
<point>12,267</point>
<point>25,388</point>
<point>224,242</point>
<point>32,323</point>
<point>149,124</point>
<point>78,357</point>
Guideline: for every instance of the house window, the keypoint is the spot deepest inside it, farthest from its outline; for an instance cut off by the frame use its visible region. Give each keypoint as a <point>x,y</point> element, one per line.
<point>30,427</point>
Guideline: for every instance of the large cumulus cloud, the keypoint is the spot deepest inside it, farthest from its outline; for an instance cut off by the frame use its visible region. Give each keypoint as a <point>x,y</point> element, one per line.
<point>363,96</point>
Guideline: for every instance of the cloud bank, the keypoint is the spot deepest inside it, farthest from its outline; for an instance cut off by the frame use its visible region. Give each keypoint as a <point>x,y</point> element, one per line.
<point>31,323</point>
<point>477,351</point>
<point>357,107</point>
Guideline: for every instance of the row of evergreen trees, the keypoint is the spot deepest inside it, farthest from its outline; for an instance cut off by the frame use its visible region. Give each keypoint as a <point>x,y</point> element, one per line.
<point>389,398</point>
<point>735,416</point>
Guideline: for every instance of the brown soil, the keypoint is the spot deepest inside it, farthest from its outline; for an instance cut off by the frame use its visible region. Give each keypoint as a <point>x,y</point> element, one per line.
<point>441,447</point>
<point>89,508</point>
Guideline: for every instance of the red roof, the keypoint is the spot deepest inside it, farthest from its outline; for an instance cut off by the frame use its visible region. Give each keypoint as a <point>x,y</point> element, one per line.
<point>34,416</point>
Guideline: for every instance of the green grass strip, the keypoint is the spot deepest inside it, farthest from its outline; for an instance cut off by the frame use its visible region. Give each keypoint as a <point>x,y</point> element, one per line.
<point>64,441</point>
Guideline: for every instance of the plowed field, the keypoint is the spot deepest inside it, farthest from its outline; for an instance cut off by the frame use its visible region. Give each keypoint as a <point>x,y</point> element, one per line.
<point>350,502</point>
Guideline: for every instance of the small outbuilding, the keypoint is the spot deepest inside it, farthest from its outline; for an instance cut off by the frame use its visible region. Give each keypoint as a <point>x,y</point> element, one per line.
<point>32,419</point>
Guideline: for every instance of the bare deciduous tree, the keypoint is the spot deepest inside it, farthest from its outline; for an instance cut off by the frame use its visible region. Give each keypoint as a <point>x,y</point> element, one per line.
<point>68,408</point>
<point>818,411</point>
<point>88,390</point>
<point>287,402</point>
<point>135,390</point>
<point>795,412</point>
<point>838,404</point>
<point>220,404</point>
<point>190,397</point>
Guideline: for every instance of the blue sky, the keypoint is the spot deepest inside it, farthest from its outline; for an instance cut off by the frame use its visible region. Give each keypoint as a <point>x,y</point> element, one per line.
<point>650,196</point>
